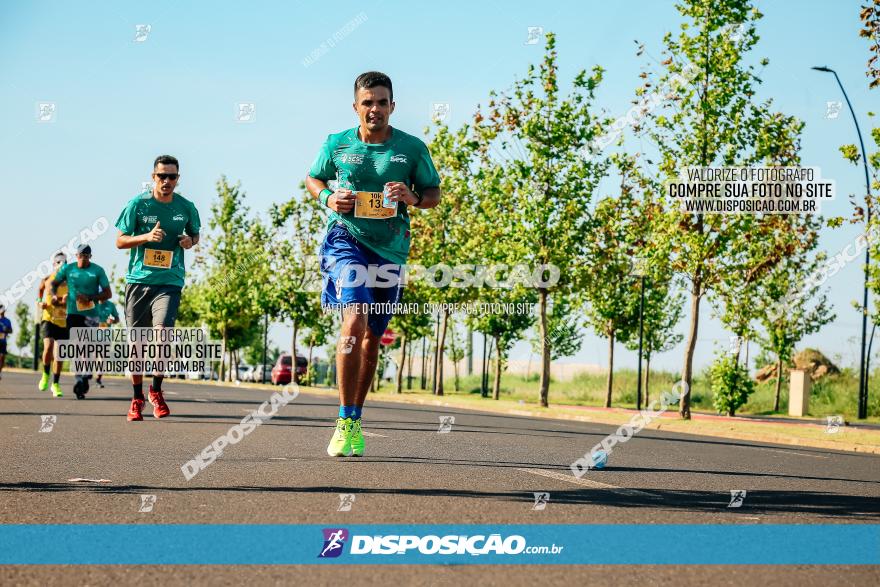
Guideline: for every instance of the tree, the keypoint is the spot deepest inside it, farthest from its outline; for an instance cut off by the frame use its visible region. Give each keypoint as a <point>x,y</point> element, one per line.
<point>664,306</point>
<point>291,291</point>
<point>455,352</point>
<point>870,17</point>
<point>233,266</point>
<point>710,119</point>
<point>504,328</point>
<point>318,332</point>
<point>410,325</point>
<point>565,334</point>
<point>785,324</point>
<point>448,233</point>
<point>25,335</point>
<point>537,137</point>
<point>777,144</point>
<point>610,289</point>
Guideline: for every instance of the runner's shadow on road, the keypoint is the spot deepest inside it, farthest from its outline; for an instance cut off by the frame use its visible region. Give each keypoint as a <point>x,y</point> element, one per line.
<point>812,503</point>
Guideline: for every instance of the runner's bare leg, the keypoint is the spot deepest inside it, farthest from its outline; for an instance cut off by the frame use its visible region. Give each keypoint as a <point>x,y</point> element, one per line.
<point>348,365</point>
<point>369,360</point>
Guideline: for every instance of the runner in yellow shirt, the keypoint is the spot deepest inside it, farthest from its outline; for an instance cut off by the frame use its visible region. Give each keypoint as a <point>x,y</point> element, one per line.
<point>53,325</point>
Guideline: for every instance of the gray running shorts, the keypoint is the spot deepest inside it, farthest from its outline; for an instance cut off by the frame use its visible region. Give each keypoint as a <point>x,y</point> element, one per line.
<point>151,305</point>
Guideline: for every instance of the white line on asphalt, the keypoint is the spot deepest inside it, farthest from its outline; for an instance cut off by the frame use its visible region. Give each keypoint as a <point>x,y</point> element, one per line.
<point>365,433</point>
<point>583,482</point>
<point>200,399</point>
<point>788,452</point>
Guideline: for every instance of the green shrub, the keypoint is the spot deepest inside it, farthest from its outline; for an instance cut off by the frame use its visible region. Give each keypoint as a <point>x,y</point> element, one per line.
<point>731,384</point>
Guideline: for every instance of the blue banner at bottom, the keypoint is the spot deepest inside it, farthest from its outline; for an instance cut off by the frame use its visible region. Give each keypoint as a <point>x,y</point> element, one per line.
<point>623,544</point>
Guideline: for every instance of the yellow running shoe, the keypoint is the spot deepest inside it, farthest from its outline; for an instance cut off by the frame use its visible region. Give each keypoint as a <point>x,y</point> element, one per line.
<point>56,390</point>
<point>357,439</point>
<point>340,444</point>
<point>43,385</point>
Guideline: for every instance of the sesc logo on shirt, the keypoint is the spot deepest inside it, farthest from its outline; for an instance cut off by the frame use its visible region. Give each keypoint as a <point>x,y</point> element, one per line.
<point>179,218</point>
<point>398,158</point>
<point>352,158</point>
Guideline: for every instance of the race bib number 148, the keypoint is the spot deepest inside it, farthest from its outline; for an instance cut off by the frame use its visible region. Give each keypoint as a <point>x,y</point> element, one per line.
<point>157,258</point>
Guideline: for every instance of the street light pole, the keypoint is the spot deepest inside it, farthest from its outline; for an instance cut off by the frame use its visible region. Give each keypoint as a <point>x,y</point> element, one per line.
<point>863,374</point>
<point>639,269</point>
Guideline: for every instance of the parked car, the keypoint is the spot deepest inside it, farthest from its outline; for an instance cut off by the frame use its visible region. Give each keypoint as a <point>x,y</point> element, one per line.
<point>245,372</point>
<point>207,374</point>
<point>281,372</point>
<point>257,374</point>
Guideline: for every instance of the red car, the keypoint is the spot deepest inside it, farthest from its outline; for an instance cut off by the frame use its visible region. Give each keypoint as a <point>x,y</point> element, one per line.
<point>281,372</point>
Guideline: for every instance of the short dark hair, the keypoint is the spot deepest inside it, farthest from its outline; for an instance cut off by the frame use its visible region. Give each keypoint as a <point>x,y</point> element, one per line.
<point>372,79</point>
<point>166,160</point>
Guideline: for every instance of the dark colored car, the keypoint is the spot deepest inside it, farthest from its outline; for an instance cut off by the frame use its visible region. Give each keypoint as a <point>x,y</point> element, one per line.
<point>281,372</point>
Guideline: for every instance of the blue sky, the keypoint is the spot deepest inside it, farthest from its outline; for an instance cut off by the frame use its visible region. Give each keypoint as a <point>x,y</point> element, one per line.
<point>119,103</point>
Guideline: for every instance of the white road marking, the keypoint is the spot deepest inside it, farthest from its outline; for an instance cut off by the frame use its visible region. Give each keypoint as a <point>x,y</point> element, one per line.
<point>200,399</point>
<point>277,458</point>
<point>788,452</point>
<point>583,482</point>
<point>365,433</point>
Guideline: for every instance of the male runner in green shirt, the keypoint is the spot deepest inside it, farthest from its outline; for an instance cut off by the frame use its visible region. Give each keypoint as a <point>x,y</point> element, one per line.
<point>157,226</point>
<point>87,286</point>
<point>379,172</point>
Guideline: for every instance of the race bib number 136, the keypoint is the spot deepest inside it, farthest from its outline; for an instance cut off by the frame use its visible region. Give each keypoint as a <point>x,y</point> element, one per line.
<point>369,205</point>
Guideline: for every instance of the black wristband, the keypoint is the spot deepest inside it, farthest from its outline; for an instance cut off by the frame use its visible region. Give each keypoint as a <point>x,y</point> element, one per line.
<point>418,200</point>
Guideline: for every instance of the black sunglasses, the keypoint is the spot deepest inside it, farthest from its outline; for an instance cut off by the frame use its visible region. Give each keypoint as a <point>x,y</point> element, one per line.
<point>171,176</point>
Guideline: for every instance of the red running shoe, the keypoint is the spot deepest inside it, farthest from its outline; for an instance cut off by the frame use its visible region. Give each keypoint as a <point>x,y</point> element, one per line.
<point>134,412</point>
<point>160,408</point>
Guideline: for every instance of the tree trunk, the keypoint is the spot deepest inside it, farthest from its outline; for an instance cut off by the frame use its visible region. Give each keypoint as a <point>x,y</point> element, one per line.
<point>470,351</point>
<point>457,386</point>
<point>610,381</point>
<point>409,367</point>
<point>647,376</point>
<point>293,349</point>
<point>424,364</point>
<point>778,383</point>
<point>403,343</point>
<point>441,343</point>
<point>484,384</point>
<point>496,386</point>
<point>684,405</point>
<point>545,349</point>
<point>747,355</point>
<point>223,358</point>
<point>435,367</point>
<point>380,368</point>
<point>309,366</point>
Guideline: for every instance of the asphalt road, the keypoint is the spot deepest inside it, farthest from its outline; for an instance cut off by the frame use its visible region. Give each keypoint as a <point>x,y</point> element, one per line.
<point>484,471</point>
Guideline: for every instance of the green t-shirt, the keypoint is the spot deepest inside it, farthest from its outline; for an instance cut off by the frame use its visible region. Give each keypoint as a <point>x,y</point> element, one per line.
<point>107,309</point>
<point>82,280</point>
<point>158,263</point>
<point>367,167</point>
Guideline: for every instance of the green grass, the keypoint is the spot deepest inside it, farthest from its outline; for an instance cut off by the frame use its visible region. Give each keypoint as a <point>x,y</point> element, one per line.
<point>831,395</point>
